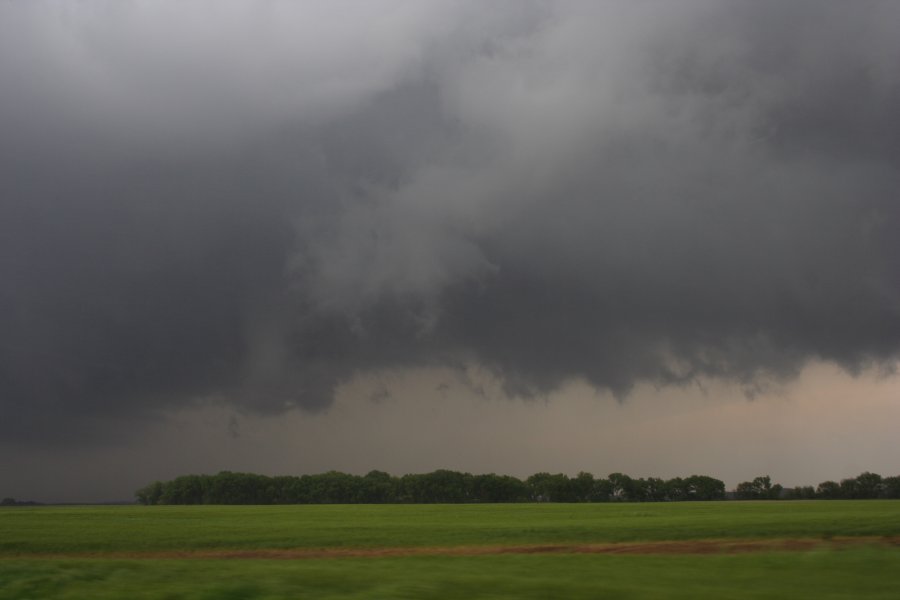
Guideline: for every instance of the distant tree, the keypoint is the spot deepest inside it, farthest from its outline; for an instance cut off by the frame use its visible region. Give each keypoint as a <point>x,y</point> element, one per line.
<point>441,486</point>
<point>849,488</point>
<point>8,502</point>
<point>828,490</point>
<point>378,487</point>
<point>676,489</point>
<point>622,487</point>
<point>601,490</point>
<point>150,494</point>
<point>763,487</point>
<point>334,487</point>
<point>498,488</point>
<point>186,489</point>
<point>545,487</point>
<point>891,487</point>
<point>639,490</point>
<point>582,487</point>
<point>703,487</point>
<point>868,485</point>
<point>745,491</point>
<point>805,492</point>
<point>238,488</point>
<point>655,490</point>
<point>760,488</point>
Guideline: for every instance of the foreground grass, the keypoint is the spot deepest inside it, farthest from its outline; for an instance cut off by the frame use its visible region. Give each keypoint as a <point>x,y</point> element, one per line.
<point>86,540</point>
<point>121,529</point>
<point>855,573</point>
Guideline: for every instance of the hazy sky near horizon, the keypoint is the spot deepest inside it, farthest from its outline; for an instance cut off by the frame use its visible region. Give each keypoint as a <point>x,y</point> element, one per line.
<point>641,236</point>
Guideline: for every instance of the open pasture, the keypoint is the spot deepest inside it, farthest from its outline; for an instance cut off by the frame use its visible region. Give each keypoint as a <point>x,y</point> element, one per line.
<point>676,550</point>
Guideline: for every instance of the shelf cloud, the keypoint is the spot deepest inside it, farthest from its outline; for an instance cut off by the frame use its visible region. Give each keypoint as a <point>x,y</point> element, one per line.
<point>253,203</point>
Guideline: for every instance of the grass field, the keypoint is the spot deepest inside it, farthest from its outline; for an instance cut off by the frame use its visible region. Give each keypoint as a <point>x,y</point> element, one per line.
<point>452,551</point>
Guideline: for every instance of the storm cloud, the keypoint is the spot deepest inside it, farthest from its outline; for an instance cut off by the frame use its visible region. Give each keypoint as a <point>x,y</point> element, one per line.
<point>251,204</point>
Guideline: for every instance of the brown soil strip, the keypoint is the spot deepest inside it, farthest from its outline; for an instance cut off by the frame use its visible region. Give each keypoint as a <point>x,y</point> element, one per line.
<point>718,546</point>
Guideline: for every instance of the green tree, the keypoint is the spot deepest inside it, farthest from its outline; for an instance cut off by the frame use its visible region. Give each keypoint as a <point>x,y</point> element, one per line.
<point>828,490</point>
<point>703,487</point>
<point>582,486</point>
<point>150,494</point>
<point>745,491</point>
<point>760,488</point>
<point>601,491</point>
<point>676,489</point>
<point>801,492</point>
<point>378,487</point>
<point>891,487</point>
<point>545,487</point>
<point>441,486</point>
<point>186,489</point>
<point>622,487</point>
<point>849,488</point>
<point>869,485</point>
<point>655,490</point>
<point>498,488</point>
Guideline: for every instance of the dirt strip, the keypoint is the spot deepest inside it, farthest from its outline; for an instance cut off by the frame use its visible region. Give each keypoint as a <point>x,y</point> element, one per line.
<point>717,546</point>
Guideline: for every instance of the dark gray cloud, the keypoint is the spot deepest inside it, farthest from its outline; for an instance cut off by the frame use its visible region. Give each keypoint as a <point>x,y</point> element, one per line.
<point>251,204</point>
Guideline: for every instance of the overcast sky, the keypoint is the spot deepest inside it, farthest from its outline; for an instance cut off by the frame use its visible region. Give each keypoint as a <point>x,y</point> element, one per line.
<point>286,237</point>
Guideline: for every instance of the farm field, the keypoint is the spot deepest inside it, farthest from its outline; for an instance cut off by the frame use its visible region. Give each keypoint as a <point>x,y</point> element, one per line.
<point>822,549</point>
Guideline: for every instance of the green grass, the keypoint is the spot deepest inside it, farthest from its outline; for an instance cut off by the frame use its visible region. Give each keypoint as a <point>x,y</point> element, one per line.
<point>857,573</point>
<point>64,530</point>
<point>30,536</point>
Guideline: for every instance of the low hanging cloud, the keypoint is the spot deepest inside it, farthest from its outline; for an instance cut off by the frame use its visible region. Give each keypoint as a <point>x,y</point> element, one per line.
<point>254,203</point>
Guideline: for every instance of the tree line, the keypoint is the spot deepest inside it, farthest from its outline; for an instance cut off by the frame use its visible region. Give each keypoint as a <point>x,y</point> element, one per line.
<point>864,486</point>
<point>14,502</point>
<point>442,486</point>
